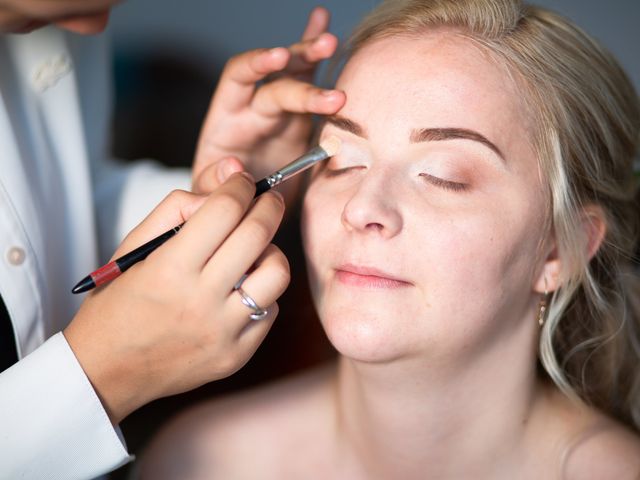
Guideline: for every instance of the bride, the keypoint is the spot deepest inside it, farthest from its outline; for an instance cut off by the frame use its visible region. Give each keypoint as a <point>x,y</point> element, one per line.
<point>469,255</point>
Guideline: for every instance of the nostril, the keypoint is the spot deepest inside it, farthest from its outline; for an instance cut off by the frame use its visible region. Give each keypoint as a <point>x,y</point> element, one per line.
<point>374,226</point>
<point>370,211</point>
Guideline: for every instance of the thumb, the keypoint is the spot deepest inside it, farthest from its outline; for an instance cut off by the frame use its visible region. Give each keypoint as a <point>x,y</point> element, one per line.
<point>216,174</point>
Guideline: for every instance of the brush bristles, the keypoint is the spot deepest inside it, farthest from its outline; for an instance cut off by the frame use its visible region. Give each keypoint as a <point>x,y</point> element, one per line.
<point>331,145</point>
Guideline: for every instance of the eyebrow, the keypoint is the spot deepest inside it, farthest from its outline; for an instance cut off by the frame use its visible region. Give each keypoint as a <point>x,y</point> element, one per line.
<point>348,125</point>
<point>436,134</point>
<point>420,135</point>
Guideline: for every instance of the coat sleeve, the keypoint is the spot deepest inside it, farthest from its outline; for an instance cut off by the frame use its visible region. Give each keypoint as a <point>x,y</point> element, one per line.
<point>71,437</point>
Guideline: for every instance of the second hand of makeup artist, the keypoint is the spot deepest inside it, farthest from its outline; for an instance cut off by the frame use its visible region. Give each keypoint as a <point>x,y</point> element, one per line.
<point>260,116</point>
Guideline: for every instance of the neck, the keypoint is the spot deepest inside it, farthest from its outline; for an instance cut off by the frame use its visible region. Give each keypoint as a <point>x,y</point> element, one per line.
<point>409,419</point>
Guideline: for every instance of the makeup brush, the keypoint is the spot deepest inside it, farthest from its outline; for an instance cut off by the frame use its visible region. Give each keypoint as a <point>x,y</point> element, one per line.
<point>327,148</point>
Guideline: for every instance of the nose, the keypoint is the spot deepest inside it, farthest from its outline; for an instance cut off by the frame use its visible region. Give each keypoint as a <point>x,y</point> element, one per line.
<point>372,209</point>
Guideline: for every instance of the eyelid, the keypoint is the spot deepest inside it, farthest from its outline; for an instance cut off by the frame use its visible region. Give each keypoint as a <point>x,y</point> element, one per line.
<point>334,172</point>
<point>346,158</point>
<point>445,184</point>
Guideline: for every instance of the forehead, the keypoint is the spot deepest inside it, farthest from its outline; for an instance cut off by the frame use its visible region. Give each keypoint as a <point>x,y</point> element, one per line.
<point>440,79</point>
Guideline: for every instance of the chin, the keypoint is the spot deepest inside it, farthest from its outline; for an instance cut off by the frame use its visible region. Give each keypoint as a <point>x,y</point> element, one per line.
<point>364,336</point>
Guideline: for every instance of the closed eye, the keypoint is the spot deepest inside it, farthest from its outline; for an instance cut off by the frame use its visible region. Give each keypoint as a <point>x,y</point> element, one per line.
<point>444,184</point>
<point>334,172</point>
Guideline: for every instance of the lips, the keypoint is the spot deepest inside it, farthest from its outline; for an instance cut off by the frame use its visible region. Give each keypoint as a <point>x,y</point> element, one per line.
<point>368,277</point>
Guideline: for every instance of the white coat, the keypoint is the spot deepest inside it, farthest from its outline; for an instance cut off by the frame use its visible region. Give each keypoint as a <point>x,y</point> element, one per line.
<point>59,194</point>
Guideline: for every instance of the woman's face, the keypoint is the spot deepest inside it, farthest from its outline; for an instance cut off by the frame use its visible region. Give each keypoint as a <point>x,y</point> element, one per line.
<point>423,233</point>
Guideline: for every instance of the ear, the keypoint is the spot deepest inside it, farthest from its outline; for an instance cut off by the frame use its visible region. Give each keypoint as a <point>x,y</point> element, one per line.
<point>549,278</point>
<point>594,227</point>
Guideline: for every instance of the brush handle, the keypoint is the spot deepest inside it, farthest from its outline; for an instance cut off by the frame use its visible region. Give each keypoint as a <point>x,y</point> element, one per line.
<point>116,267</point>
<point>262,186</point>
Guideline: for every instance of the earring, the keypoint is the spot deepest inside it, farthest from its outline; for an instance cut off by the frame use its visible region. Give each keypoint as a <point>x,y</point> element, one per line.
<point>542,305</point>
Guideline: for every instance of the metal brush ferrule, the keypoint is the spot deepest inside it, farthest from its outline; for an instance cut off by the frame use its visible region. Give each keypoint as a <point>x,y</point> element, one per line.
<point>313,156</point>
<point>274,179</point>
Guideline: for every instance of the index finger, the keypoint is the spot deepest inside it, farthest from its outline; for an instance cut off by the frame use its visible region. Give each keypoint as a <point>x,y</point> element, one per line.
<point>214,221</point>
<point>238,80</point>
<point>306,54</point>
<point>237,83</point>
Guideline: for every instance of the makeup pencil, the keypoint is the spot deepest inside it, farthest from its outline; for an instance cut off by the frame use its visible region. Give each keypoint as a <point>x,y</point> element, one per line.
<point>327,148</point>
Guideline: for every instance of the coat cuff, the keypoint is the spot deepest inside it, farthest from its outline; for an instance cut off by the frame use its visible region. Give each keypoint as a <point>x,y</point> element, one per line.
<point>53,423</point>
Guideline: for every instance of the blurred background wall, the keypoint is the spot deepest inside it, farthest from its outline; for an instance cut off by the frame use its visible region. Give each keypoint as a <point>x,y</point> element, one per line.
<point>167,57</point>
<point>162,46</point>
<point>207,31</point>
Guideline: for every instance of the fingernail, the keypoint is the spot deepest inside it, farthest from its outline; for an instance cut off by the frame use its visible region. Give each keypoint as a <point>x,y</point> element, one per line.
<point>221,172</point>
<point>247,175</point>
<point>226,170</point>
<point>319,37</point>
<point>278,52</point>
<point>328,93</point>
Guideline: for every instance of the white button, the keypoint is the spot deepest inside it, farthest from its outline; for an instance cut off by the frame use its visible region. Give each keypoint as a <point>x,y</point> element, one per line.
<point>16,255</point>
<point>50,72</point>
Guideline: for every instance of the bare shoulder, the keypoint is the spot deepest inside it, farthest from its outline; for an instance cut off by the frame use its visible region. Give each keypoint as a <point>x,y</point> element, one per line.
<point>243,435</point>
<point>603,449</point>
<point>579,442</point>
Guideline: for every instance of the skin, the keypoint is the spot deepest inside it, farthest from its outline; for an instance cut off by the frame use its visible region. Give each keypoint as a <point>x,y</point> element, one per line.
<point>261,129</point>
<point>436,376</point>
<point>244,123</point>
<point>173,322</point>
<point>79,16</point>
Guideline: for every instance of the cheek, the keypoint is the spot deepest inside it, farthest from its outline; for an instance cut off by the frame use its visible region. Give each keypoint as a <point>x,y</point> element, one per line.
<point>472,260</point>
<point>466,245</point>
<point>472,266</point>
<point>319,214</point>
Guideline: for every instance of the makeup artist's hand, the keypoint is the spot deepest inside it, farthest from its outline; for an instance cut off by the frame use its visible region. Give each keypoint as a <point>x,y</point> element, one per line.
<point>84,17</point>
<point>262,128</point>
<point>173,321</point>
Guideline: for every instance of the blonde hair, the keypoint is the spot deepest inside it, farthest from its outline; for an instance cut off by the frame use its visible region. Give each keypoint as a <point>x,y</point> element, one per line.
<point>586,123</point>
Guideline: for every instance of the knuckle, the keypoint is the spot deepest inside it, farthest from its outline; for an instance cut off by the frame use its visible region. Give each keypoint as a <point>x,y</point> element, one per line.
<point>225,364</point>
<point>207,176</point>
<point>279,267</point>
<point>243,59</point>
<point>309,89</point>
<point>282,271</point>
<point>242,185</point>
<point>231,204</point>
<point>274,309</point>
<point>177,196</point>
<point>162,275</point>
<point>233,62</point>
<point>193,312</point>
<point>260,230</point>
<point>273,201</point>
<point>234,361</point>
<point>278,199</point>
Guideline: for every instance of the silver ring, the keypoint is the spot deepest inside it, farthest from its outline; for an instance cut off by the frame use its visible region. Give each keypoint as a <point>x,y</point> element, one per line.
<point>258,312</point>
